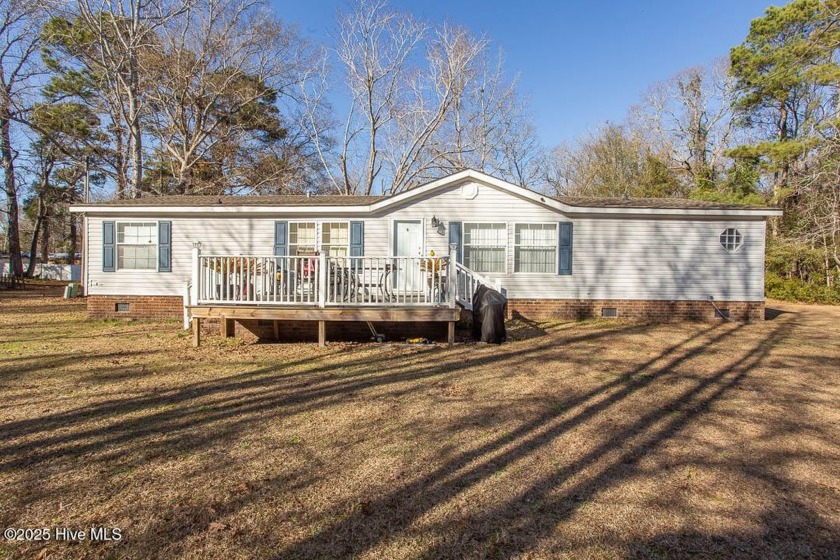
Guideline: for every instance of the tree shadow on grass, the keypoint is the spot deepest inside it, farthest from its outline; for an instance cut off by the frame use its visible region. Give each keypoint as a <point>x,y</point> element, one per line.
<point>177,422</point>
<point>789,530</point>
<point>241,396</point>
<point>534,513</point>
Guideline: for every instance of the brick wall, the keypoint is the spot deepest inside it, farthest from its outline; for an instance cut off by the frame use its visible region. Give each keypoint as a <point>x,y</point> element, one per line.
<point>139,307</point>
<point>171,307</point>
<point>644,310</point>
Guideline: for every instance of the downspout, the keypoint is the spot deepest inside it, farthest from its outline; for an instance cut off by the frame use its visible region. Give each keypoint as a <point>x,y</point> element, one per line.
<point>83,273</point>
<point>718,311</point>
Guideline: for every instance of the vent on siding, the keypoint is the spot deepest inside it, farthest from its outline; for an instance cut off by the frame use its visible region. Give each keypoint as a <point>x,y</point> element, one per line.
<point>122,308</point>
<point>722,313</point>
<point>609,312</point>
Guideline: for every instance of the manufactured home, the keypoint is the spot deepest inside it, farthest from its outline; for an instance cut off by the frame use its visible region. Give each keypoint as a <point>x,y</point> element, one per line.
<point>267,263</point>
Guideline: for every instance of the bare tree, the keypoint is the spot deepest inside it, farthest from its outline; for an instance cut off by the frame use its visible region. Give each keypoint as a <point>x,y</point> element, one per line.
<point>373,47</point>
<point>422,102</point>
<point>20,23</point>
<point>414,144</point>
<point>689,120</point>
<point>214,86</point>
<point>122,30</point>
<point>613,160</point>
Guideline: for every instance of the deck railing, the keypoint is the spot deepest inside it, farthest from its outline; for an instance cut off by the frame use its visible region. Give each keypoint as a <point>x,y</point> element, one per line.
<point>321,281</point>
<point>467,282</point>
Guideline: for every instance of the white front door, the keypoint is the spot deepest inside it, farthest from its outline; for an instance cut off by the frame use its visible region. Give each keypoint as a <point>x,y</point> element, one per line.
<point>408,242</point>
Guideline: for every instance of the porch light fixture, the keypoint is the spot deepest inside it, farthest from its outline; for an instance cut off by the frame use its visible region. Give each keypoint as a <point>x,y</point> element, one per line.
<point>438,225</point>
<point>196,244</point>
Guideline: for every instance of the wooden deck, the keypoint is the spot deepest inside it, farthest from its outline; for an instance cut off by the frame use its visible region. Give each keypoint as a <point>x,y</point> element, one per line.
<point>229,313</point>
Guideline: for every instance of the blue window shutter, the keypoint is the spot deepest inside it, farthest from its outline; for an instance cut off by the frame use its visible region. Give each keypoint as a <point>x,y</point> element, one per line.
<point>108,246</point>
<point>281,239</point>
<point>357,239</point>
<point>357,243</point>
<point>164,246</point>
<point>565,246</point>
<point>455,237</point>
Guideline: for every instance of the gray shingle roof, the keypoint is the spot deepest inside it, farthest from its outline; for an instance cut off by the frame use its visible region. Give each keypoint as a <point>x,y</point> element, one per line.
<point>249,200</point>
<point>341,200</point>
<point>654,203</point>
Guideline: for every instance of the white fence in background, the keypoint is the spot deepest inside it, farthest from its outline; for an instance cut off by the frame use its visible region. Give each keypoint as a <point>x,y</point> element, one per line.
<point>66,272</point>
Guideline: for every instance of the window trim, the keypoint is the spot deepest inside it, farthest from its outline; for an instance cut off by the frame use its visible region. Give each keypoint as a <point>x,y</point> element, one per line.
<point>738,247</point>
<point>318,232</point>
<point>506,243</point>
<point>117,244</point>
<point>553,272</point>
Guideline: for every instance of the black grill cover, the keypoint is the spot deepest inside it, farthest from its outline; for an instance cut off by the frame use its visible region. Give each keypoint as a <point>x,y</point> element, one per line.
<point>489,315</point>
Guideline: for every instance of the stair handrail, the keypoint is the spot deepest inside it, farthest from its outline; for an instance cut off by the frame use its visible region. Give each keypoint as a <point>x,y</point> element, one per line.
<point>471,279</point>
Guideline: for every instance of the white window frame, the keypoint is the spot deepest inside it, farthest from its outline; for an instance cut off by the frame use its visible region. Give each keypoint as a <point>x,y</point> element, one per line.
<point>725,232</point>
<point>117,244</point>
<point>319,225</point>
<point>556,227</point>
<point>320,228</point>
<point>506,243</point>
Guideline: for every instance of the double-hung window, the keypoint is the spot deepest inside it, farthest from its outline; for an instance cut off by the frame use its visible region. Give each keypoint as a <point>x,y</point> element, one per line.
<point>485,247</point>
<point>535,248</point>
<point>302,238</point>
<point>330,238</point>
<point>137,246</point>
<point>335,239</point>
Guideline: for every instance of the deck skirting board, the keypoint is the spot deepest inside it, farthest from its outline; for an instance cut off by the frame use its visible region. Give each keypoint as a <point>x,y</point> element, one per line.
<point>373,314</point>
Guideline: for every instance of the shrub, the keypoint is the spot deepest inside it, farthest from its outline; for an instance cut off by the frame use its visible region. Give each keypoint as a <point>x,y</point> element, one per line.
<point>794,289</point>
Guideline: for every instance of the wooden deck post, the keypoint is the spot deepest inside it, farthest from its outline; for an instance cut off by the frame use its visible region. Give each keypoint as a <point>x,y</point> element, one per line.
<point>196,331</point>
<point>276,325</point>
<point>322,333</point>
<point>450,334</point>
<point>227,327</point>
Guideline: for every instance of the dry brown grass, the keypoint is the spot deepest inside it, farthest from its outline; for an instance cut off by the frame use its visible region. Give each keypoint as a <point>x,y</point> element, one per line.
<point>594,439</point>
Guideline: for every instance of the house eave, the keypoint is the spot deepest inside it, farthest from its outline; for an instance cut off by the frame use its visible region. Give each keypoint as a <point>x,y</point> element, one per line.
<point>421,191</point>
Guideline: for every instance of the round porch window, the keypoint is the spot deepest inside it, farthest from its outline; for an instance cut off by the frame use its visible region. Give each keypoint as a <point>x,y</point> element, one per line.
<point>731,239</point>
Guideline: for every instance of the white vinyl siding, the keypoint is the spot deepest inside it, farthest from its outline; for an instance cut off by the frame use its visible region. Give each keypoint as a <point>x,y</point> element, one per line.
<point>137,245</point>
<point>614,256</point>
<point>535,248</point>
<point>485,246</point>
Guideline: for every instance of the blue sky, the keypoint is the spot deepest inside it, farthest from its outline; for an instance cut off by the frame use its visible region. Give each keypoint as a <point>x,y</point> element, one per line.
<point>580,63</point>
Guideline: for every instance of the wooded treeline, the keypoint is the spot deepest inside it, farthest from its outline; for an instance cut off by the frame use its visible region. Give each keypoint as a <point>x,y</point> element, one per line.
<point>150,97</point>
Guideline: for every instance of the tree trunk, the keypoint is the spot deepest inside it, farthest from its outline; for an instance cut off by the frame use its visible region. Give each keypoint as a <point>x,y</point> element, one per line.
<point>74,239</point>
<point>8,162</point>
<point>45,236</point>
<point>134,128</point>
<point>33,247</point>
<point>119,151</point>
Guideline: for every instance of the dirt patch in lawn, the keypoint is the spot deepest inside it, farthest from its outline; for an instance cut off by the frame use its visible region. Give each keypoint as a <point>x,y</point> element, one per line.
<point>592,439</point>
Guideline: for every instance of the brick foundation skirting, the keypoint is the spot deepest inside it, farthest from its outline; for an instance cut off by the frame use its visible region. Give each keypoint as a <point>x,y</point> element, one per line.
<point>171,307</point>
<point>139,307</point>
<point>643,310</point>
